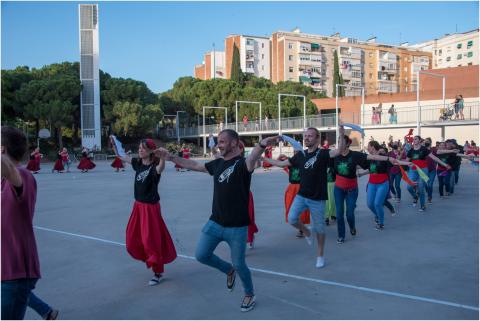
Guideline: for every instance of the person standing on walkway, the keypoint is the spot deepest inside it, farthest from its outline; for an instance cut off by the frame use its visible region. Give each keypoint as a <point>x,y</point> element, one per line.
<point>147,236</point>
<point>313,163</point>
<point>34,162</point>
<point>20,263</point>
<point>395,176</point>
<point>431,167</point>
<point>85,163</point>
<point>229,221</point>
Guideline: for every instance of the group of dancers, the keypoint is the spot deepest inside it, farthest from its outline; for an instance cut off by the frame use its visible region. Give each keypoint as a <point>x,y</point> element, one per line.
<point>63,162</point>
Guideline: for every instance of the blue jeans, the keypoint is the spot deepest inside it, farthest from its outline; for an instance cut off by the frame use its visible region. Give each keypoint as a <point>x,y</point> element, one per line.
<point>415,177</point>
<point>444,181</point>
<point>395,180</point>
<point>236,238</point>
<point>39,306</point>
<point>376,196</point>
<point>453,180</point>
<point>317,211</point>
<point>429,185</point>
<point>15,294</point>
<point>350,198</point>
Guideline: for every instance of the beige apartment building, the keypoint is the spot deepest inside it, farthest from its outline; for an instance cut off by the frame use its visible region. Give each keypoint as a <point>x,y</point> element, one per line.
<point>206,69</point>
<point>455,50</point>
<point>309,59</point>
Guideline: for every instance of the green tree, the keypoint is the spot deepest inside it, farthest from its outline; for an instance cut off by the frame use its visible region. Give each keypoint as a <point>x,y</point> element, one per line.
<point>134,119</point>
<point>236,74</point>
<point>337,77</point>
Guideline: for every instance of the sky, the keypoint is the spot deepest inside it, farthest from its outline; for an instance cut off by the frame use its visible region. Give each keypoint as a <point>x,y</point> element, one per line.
<point>158,42</point>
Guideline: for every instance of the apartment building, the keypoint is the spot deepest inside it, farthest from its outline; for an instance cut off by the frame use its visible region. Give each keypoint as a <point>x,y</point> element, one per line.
<point>254,54</point>
<point>206,69</point>
<point>455,50</point>
<point>309,59</point>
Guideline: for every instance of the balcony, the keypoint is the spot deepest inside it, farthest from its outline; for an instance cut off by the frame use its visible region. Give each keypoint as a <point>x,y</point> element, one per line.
<point>387,56</point>
<point>387,69</point>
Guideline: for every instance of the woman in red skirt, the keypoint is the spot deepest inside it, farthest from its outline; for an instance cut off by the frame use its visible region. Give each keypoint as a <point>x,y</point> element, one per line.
<point>268,154</point>
<point>148,239</point>
<point>34,162</point>
<point>117,164</point>
<point>58,166</point>
<point>85,163</point>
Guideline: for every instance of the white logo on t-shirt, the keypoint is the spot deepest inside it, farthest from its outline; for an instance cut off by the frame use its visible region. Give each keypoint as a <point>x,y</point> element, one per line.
<point>311,161</point>
<point>143,175</point>
<point>226,173</point>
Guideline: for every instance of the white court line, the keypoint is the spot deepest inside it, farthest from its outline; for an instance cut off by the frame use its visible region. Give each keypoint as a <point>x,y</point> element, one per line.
<point>297,277</point>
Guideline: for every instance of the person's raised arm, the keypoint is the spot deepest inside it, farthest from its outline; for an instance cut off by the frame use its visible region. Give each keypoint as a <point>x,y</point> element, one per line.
<point>185,163</point>
<point>278,163</point>
<point>10,171</point>
<point>258,150</point>
<point>161,166</point>
<point>447,151</point>
<point>340,144</point>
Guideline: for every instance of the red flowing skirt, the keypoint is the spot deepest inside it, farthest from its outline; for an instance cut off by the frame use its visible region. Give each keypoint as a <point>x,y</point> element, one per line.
<point>117,163</point>
<point>33,165</point>
<point>148,239</point>
<point>58,165</point>
<point>252,227</point>
<point>290,193</point>
<point>86,163</point>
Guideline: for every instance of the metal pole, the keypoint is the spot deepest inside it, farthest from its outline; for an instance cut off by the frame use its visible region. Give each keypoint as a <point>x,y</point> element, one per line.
<point>336,114</point>
<point>214,67</point>
<point>418,103</point>
<point>260,119</point>
<point>178,129</point>
<point>204,137</point>
<point>443,91</point>
<point>279,124</point>
<point>226,120</point>
<point>304,113</point>
<point>363,117</point>
<point>236,116</point>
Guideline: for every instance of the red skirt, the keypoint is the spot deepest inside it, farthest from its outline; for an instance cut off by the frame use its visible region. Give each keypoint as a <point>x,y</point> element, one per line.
<point>290,193</point>
<point>58,165</point>
<point>117,163</point>
<point>86,163</point>
<point>148,239</point>
<point>252,227</point>
<point>33,165</point>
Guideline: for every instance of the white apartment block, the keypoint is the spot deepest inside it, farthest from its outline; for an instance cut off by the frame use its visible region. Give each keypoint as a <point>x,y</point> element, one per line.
<point>455,50</point>
<point>255,56</point>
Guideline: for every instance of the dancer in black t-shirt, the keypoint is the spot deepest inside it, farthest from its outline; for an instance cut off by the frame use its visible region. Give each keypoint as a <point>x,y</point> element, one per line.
<point>148,239</point>
<point>313,164</point>
<point>229,220</point>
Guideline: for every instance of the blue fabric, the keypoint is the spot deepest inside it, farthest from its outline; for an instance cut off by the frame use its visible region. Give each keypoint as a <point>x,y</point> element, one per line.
<point>348,197</point>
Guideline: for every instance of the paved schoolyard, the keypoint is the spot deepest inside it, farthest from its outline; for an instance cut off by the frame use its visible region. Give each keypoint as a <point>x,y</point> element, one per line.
<point>422,266</point>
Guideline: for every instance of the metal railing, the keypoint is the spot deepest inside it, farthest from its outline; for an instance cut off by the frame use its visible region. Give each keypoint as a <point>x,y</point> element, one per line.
<point>430,113</point>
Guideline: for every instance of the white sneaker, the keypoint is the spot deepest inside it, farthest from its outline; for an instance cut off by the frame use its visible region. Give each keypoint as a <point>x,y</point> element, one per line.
<point>250,245</point>
<point>155,280</point>
<point>309,239</point>
<point>320,262</point>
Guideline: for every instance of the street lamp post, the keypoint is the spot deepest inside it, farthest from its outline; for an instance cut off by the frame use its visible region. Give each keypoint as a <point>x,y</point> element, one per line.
<point>178,125</point>
<point>336,107</point>
<point>204,135</point>
<point>169,115</point>
<point>237,102</point>
<point>280,115</point>
<point>419,112</point>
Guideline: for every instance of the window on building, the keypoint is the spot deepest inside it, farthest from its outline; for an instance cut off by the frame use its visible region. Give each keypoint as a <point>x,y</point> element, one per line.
<point>263,45</point>
<point>250,42</point>
<point>440,61</point>
<point>290,57</point>
<point>370,54</point>
<point>290,69</point>
<point>435,51</point>
<point>263,56</point>
<point>459,56</point>
<point>459,46</point>
<point>370,76</point>
<point>448,58</point>
<point>470,54</point>
<point>440,52</point>
<point>263,67</point>
<point>469,44</point>
<point>370,65</point>
<point>470,63</point>
<point>290,45</point>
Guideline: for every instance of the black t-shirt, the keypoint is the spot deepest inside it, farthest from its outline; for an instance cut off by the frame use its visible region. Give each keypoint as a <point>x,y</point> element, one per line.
<point>448,158</point>
<point>293,175</point>
<point>457,159</point>
<point>231,185</point>
<point>346,166</point>
<point>313,173</point>
<point>419,154</point>
<point>146,182</point>
<point>379,167</point>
